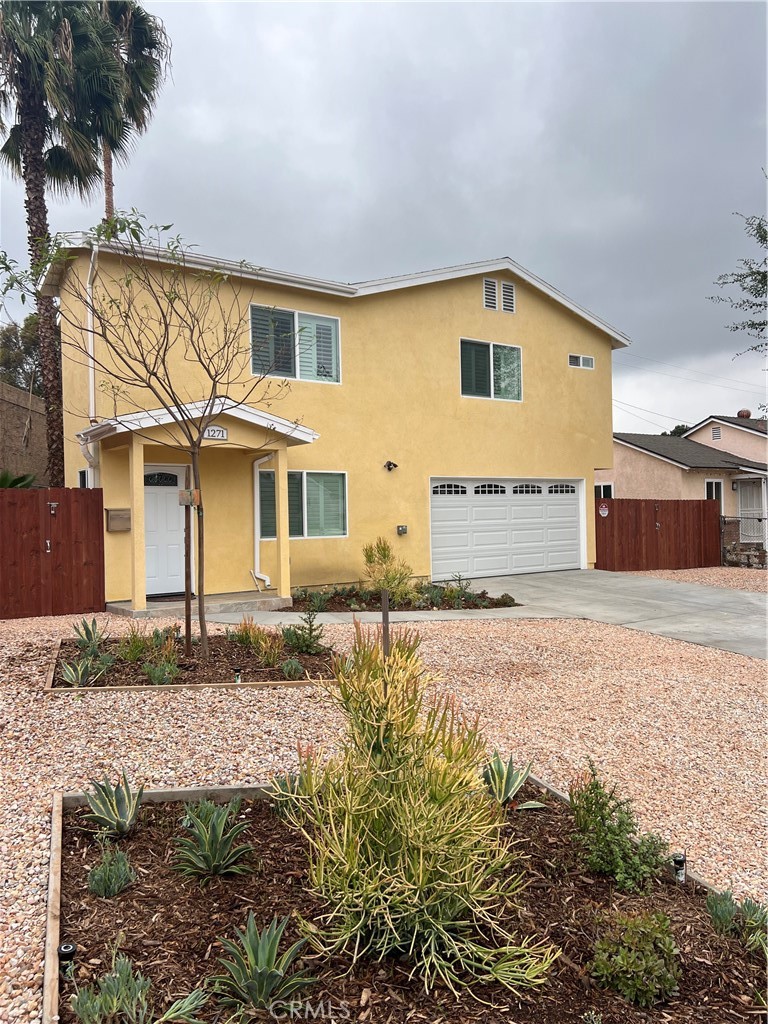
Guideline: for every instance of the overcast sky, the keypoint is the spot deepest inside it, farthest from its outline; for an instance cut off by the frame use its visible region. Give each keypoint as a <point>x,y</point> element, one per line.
<point>604,146</point>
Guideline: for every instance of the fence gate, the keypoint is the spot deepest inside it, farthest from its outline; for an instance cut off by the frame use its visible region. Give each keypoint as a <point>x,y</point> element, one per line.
<point>641,533</point>
<point>51,551</point>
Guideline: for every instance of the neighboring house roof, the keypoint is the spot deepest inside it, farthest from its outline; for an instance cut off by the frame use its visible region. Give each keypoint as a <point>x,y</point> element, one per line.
<point>687,454</point>
<point>756,426</point>
<point>53,277</point>
<point>295,433</point>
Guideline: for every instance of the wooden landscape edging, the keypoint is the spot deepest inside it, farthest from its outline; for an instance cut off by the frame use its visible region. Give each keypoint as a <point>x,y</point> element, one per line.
<point>219,794</point>
<point>49,688</point>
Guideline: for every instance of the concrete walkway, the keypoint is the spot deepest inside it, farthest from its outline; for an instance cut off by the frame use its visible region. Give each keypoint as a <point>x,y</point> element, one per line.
<point>733,620</point>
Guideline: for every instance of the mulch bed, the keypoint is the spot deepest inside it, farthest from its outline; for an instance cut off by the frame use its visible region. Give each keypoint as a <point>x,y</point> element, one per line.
<point>335,603</point>
<point>225,657</point>
<point>169,930</point>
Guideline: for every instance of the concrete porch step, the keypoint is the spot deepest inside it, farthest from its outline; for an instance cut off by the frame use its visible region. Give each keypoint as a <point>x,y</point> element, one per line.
<point>245,603</point>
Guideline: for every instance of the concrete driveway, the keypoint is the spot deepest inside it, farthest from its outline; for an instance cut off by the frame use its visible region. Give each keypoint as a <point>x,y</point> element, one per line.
<point>732,620</point>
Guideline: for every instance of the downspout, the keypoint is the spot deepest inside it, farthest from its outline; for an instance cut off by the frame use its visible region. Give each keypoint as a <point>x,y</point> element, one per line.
<point>256,575</point>
<point>85,447</point>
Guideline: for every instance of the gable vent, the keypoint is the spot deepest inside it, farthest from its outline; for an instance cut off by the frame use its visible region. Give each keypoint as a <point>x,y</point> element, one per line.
<point>715,433</point>
<point>490,300</point>
<point>507,297</point>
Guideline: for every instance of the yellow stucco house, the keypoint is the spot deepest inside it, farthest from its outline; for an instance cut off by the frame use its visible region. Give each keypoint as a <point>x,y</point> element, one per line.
<point>461,413</point>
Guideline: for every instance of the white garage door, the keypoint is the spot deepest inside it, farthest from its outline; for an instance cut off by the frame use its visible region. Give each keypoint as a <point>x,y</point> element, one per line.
<point>490,527</point>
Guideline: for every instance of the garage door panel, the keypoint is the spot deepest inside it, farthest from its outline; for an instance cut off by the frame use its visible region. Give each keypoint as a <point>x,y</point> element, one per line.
<point>485,534</point>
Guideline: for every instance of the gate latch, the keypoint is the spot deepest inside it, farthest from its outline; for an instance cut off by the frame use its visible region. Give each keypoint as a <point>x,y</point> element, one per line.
<point>52,505</point>
<point>47,547</point>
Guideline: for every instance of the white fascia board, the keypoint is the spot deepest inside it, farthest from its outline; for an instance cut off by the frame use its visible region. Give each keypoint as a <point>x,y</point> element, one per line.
<point>294,432</point>
<point>52,280</point>
<point>653,455</point>
<point>489,267</point>
<point>725,423</point>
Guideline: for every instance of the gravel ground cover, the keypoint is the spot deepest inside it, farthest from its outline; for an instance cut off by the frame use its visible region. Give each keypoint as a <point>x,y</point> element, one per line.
<point>732,577</point>
<point>680,728</point>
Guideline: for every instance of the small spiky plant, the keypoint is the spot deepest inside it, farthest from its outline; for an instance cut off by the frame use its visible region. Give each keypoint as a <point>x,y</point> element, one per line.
<point>114,808</point>
<point>211,847</point>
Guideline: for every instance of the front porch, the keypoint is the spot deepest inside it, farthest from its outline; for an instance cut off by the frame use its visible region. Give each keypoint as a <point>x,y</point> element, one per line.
<point>241,603</point>
<point>142,463</point>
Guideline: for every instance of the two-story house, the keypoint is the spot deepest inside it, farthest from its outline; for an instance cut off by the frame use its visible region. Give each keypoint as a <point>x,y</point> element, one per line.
<point>461,413</point>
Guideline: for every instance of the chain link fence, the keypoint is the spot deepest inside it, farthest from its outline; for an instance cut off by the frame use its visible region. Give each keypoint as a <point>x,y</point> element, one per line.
<point>743,540</point>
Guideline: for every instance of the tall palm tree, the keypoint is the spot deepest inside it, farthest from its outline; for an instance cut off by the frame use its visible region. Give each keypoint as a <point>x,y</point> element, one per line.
<point>143,50</point>
<point>56,68</point>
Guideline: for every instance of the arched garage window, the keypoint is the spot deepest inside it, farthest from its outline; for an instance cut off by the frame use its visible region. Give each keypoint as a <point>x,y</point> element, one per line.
<point>449,489</point>
<point>561,489</point>
<point>490,489</point>
<point>526,489</point>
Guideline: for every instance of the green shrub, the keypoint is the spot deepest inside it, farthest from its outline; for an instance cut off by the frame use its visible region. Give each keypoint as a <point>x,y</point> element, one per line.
<point>114,808</point>
<point>211,848</point>
<point>161,673</point>
<point>122,997</point>
<point>318,600</point>
<point>638,958</point>
<point>504,781</point>
<point>87,670</point>
<point>256,977</point>
<point>404,848</point>
<point>204,810</point>
<point>265,643</point>
<point>723,910</point>
<point>292,669</point>
<point>112,874</point>
<point>386,572</point>
<point>607,831</point>
<point>305,638</point>
<point>135,645</point>
<point>89,637</point>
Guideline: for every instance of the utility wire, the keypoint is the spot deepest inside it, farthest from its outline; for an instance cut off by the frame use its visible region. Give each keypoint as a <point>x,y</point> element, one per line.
<point>653,412</point>
<point>688,369</point>
<point>690,380</point>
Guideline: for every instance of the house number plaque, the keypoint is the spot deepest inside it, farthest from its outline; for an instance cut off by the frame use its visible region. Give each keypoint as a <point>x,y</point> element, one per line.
<point>214,433</point>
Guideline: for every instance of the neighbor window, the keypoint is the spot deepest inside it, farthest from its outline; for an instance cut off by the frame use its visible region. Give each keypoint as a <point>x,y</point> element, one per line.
<point>286,343</point>
<point>491,371</point>
<point>603,490</point>
<point>317,505</point>
<point>585,362</point>
<point>714,491</point>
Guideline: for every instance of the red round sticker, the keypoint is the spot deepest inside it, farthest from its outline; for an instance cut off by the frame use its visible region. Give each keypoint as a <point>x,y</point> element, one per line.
<point>602,508</point>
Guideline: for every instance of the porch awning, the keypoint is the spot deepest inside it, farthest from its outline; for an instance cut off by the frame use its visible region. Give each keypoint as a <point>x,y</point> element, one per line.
<point>293,433</point>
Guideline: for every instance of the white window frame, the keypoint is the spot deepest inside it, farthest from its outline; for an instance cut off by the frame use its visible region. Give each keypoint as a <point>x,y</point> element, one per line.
<point>716,480</point>
<point>297,342</point>
<point>492,397</point>
<point>601,496</point>
<point>581,365</point>
<point>304,535</point>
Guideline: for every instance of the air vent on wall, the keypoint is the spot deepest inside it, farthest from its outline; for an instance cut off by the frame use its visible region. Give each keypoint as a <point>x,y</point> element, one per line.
<point>507,296</point>
<point>489,293</point>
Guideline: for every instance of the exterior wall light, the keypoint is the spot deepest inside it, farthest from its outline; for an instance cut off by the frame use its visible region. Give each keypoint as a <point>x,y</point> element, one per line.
<point>389,465</point>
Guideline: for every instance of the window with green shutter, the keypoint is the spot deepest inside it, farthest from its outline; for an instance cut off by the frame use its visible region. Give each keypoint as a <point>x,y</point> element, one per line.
<point>491,371</point>
<point>321,496</point>
<point>286,343</point>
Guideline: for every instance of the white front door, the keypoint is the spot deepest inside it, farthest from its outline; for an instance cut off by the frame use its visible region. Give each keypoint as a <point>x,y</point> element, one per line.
<point>164,529</point>
<point>752,512</point>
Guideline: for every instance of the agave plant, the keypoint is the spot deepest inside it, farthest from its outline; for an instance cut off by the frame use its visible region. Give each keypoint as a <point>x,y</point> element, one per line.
<point>504,781</point>
<point>89,636</point>
<point>114,808</point>
<point>7,479</point>
<point>211,848</point>
<point>87,670</point>
<point>255,977</point>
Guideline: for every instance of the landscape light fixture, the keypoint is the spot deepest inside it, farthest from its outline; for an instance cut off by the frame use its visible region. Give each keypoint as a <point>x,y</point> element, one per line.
<point>389,465</point>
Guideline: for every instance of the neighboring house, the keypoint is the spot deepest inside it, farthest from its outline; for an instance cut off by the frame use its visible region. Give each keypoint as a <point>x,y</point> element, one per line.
<point>23,446</point>
<point>665,467</point>
<point>460,413</point>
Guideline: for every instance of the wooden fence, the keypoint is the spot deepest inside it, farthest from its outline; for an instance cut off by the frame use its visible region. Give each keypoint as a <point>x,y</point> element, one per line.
<point>51,551</point>
<point>639,533</point>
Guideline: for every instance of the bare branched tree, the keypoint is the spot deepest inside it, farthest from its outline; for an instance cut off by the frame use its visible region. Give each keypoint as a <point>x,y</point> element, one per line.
<point>168,334</point>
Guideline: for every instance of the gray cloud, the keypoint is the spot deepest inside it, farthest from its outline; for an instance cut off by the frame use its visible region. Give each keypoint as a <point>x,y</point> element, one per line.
<point>604,146</point>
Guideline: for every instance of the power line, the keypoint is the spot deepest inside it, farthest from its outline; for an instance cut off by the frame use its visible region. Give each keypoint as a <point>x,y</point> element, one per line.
<point>688,369</point>
<point>634,414</point>
<point>653,412</point>
<point>692,380</point>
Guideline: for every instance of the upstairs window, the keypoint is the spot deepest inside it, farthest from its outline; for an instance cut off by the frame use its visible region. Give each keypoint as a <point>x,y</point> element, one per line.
<point>491,371</point>
<point>585,362</point>
<point>490,293</point>
<point>286,343</point>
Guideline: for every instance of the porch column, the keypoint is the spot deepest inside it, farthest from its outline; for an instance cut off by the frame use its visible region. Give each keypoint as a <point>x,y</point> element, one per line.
<point>138,546</point>
<point>283,581</point>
